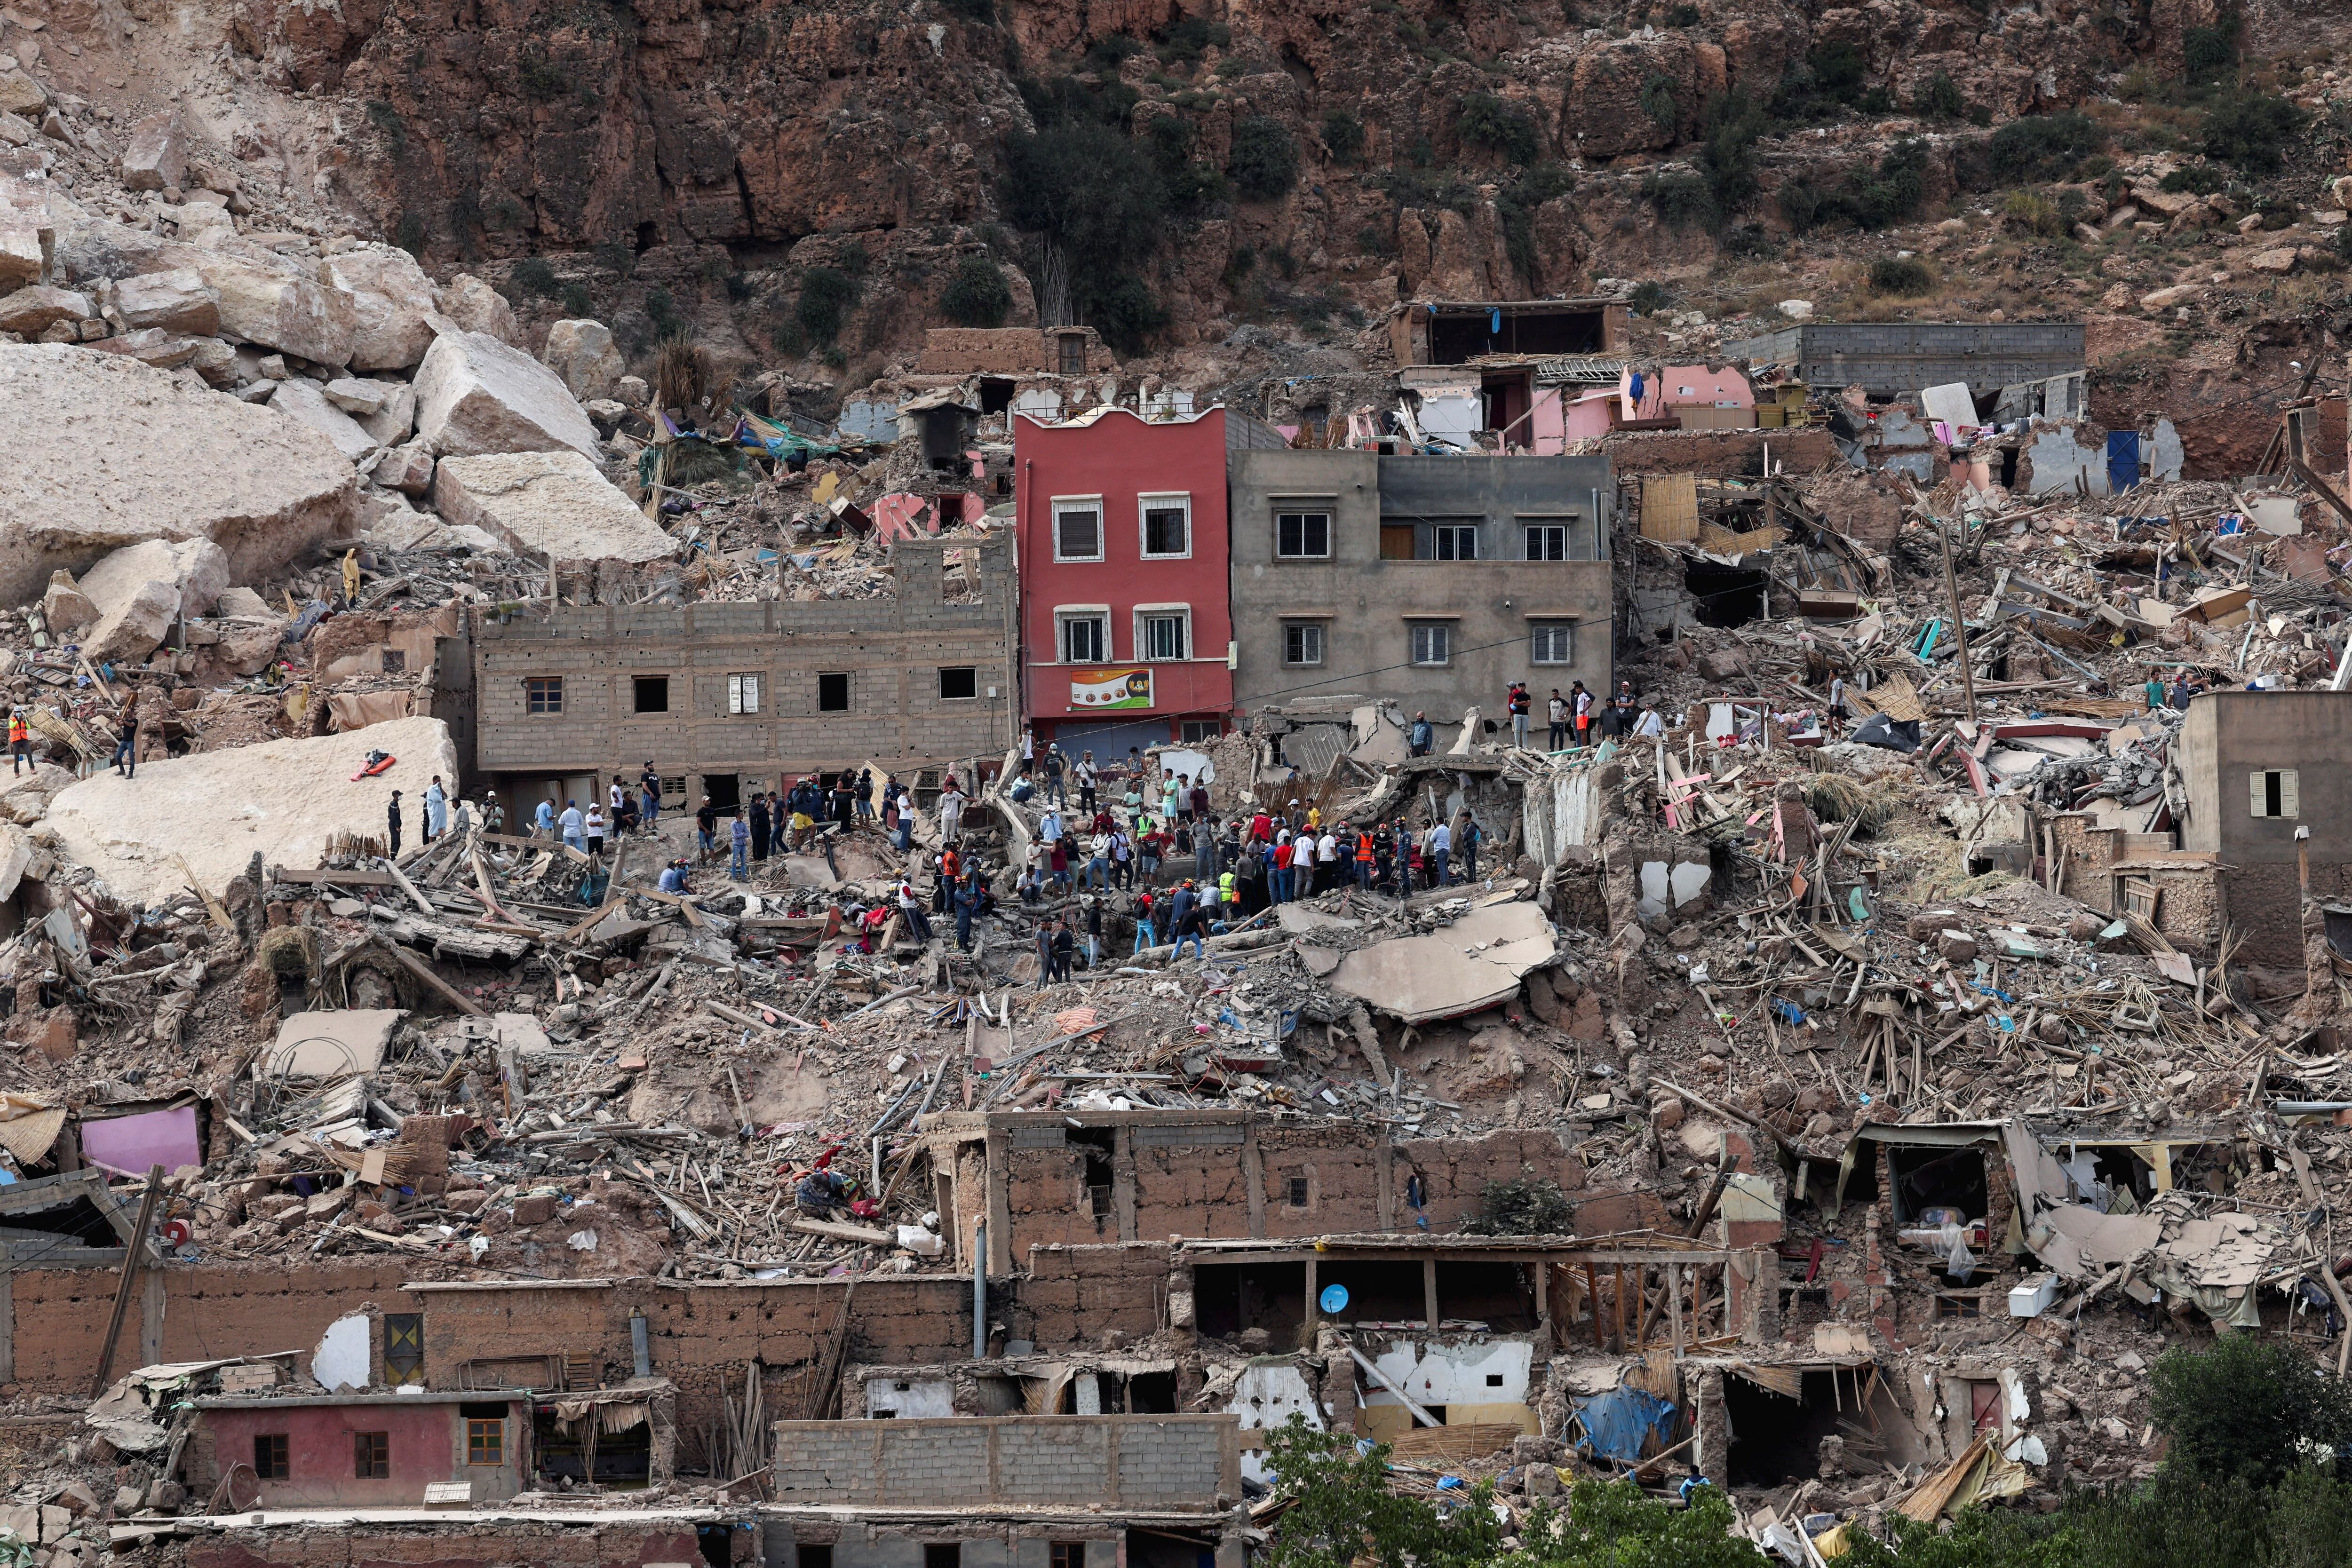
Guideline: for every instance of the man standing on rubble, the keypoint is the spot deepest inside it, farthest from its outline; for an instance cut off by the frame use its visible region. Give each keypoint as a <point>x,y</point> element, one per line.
<point>20,743</point>
<point>1556,713</point>
<point>1421,736</point>
<point>1440,851</point>
<point>761,823</point>
<point>1470,838</point>
<point>1086,775</point>
<point>739,839</point>
<point>1180,919</point>
<point>126,745</point>
<point>968,894</point>
<point>1053,794</point>
<point>910,910</point>
<point>705,828</point>
<point>1516,702</point>
<point>649,791</point>
<point>952,811</point>
<point>574,826</point>
<point>391,816</point>
<point>436,809</point>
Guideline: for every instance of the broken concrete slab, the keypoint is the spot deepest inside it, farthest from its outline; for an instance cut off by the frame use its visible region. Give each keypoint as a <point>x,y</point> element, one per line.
<point>35,309</point>
<point>306,403</point>
<point>123,453</point>
<point>547,503</point>
<point>1474,964</point>
<point>406,468</point>
<point>282,798</point>
<point>391,298</point>
<point>342,1044</point>
<point>475,395</point>
<point>582,352</point>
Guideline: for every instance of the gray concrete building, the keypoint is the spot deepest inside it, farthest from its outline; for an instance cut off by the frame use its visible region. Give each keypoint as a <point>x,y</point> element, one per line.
<point>1434,582</point>
<point>2259,768</point>
<point>729,698</point>
<point>1898,358</point>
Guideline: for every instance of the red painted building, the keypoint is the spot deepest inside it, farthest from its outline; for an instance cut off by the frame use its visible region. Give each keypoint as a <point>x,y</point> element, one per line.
<point>363,1450</point>
<point>1125,627</point>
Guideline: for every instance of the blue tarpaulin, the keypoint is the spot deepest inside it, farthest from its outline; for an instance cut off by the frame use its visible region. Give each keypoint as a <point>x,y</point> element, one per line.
<point>2123,460</point>
<point>1618,1423</point>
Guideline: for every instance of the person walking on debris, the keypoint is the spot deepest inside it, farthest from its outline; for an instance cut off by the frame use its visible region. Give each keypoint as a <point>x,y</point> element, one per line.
<point>1145,934</point>
<point>1085,779</point>
<point>1837,710</point>
<point>1181,910</point>
<point>494,815</point>
<point>1173,804</point>
<point>20,742</point>
<point>436,809</point>
<point>738,841</point>
<point>1441,853</point>
<point>1053,765</point>
<point>543,823</point>
<point>1302,865</point>
<point>1421,736</point>
<point>126,745</point>
<point>649,795</point>
<point>1094,931</point>
<point>391,819</point>
<point>1045,952</point>
<point>1650,725</point>
<point>905,820</point>
<point>1065,948</point>
<point>1516,703</point>
<point>968,895</point>
<point>865,801</point>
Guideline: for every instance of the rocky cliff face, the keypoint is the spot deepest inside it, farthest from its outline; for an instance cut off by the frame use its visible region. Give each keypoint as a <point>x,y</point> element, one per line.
<point>695,158</point>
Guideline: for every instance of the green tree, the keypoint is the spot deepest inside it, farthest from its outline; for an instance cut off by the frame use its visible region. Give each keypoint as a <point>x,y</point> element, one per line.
<point>1263,161</point>
<point>1499,125</point>
<point>827,295</point>
<point>1343,1512</point>
<point>2251,130</point>
<point>2244,1410</point>
<point>1616,1524</point>
<point>977,295</point>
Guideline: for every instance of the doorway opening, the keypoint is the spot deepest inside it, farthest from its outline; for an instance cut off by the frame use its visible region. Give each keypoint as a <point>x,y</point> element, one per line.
<point>1725,595</point>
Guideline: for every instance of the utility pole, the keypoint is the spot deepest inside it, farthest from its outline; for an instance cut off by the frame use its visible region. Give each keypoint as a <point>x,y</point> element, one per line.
<point>1959,622</point>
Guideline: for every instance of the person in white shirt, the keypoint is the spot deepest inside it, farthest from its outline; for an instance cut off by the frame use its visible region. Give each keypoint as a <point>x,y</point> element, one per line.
<point>1441,848</point>
<point>572,824</point>
<point>1651,724</point>
<point>1556,711</point>
<point>1326,856</point>
<point>596,825</point>
<point>1302,866</point>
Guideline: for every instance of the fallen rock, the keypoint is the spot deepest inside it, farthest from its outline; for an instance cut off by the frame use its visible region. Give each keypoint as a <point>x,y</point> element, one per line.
<point>284,799</point>
<point>479,308</point>
<point>245,601</point>
<point>582,352</point>
<point>391,299</point>
<point>305,402</point>
<point>1797,309</point>
<point>2278,261</point>
<point>140,590</point>
<point>1723,664</point>
<point>547,503</point>
<point>359,397</point>
<point>24,797</point>
<point>20,94</point>
<point>157,154</point>
<point>406,468</point>
<point>477,396</point>
<point>64,608</point>
<point>121,454</point>
<point>35,309</point>
<point>27,233</point>
<point>1956,946</point>
<point>214,360</point>
<point>279,304</point>
<point>179,300</point>
<point>2165,298</point>
<point>151,346</point>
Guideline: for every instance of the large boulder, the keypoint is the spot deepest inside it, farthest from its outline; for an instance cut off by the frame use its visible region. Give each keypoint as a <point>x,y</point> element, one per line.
<point>66,609</point>
<point>477,308</point>
<point>285,799</point>
<point>120,453</point>
<point>140,590</point>
<point>157,155</point>
<point>582,352</point>
<point>385,410</point>
<point>544,504</point>
<point>277,303</point>
<point>391,298</point>
<point>35,309</point>
<point>177,299</point>
<point>307,402</point>
<point>475,394</point>
<point>27,231</point>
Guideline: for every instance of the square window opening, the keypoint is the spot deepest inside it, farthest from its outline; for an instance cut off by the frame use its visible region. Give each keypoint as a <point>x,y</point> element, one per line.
<point>743,692</point>
<point>1066,1554</point>
<point>486,1442</point>
<point>395,662</point>
<point>2274,792</point>
<point>1551,643</point>
<point>942,1554</point>
<point>1302,643</point>
<point>1167,528</point>
<point>1192,731</point>
<point>543,696</point>
<point>372,1456</point>
<point>1077,533</point>
<point>1165,638</point>
<point>833,692</point>
<point>959,682</point>
<point>1302,535</point>
<point>1547,541</point>
<point>1086,639</point>
<point>1432,644</point>
<point>652,693</point>
<point>270,1455</point>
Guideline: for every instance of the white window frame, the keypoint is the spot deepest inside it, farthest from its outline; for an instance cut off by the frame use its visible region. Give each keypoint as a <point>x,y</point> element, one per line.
<point>1529,526</point>
<point>1538,631</point>
<point>1306,508</point>
<point>743,692</point>
<point>1442,628</point>
<point>1145,613</point>
<point>1162,500</point>
<point>1094,504</point>
<point>2258,793</point>
<point>1315,630</point>
<point>1064,614</point>
<point>1451,533</point>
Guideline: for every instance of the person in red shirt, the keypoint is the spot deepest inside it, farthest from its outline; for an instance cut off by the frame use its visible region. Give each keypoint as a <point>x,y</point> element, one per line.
<point>1262,827</point>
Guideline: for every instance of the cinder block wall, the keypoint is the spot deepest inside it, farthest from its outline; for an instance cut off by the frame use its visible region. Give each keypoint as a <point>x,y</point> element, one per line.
<point>1178,1462</point>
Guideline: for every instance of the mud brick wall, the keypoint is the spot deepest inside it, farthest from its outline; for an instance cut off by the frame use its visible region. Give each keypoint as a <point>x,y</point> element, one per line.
<point>1726,454</point>
<point>1046,1192</point>
<point>452,1545</point>
<point>1074,1295</point>
<point>1191,1181</point>
<point>1455,1172</point>
<point>1344,1170</point>
<point>1000,351</point>
<point>1064,1461</point>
